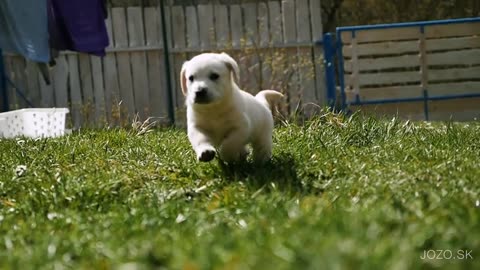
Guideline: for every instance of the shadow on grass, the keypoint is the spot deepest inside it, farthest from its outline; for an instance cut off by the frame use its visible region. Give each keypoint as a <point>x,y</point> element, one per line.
<point>279,173</point>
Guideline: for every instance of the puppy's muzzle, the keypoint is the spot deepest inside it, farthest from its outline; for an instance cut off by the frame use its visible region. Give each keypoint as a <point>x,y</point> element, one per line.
<point>201,96</point>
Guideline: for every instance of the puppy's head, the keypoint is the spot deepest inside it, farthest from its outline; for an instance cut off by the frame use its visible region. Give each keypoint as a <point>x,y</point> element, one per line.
<point>208,77</point>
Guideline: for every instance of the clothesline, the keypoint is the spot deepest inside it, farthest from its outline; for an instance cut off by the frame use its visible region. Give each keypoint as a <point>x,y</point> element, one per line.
<point>48,26</point>
<point>39,29</point>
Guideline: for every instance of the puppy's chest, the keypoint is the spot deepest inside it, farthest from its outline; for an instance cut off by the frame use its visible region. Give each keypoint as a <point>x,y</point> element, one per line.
<point>217,129</point>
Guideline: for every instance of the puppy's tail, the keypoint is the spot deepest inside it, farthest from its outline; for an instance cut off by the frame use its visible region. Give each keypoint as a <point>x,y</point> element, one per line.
<point>268,97</point>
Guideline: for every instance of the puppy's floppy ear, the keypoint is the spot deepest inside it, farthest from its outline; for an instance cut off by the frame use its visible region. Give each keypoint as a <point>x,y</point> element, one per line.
<point>183,79</point>
<point>232,65</point>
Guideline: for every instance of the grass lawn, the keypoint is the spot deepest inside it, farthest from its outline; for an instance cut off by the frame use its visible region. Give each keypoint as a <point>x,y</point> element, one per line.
<point>340,193</point>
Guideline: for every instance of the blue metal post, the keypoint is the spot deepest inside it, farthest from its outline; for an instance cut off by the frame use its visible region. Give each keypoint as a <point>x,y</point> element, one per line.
<point>3,85</point>
<point>329,53</point>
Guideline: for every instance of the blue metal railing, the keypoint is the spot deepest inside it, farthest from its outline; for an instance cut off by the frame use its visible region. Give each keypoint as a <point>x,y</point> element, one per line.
<point>329,61</point>
<point>340,62</point>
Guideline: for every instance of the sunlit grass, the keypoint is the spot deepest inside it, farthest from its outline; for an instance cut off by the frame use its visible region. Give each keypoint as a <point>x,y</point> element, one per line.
<point>340,193</point>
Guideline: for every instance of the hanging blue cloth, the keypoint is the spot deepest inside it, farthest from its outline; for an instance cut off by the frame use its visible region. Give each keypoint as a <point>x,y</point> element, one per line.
<point>23,28</point>
<point>78,25</point>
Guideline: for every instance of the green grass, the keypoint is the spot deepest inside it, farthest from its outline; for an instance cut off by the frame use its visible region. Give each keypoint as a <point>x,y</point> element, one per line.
<point>340,193</point>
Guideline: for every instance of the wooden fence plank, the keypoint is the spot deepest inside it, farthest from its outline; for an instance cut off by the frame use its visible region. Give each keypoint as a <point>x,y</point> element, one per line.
<point>180,41</point>
<point>178,25</point>
<point>236,27</point>
<point>109,26</point>
<point>463,57</point>
<point>381,93</point>
<point>138,61</point>
<point>185,34</point>
<point>19,79</point>
<point>278,63</point>
<point>250,59</point>
<point>152,26</point>
<point>289,36</point>
<point>98,90</point>
<point>385,78</point>
<point>263,21</point>
<point>250,17</point>
<point>156,67</point>
<point>135,29</point>
<point>423,62</point>
<point>387,34</point>
<point>317,34</point>
<point>32,83</point>
<point>383,48</point>
<point>288,13</point>
<point>468,73</point>
<point>60,80</point>
<point>306,71</point>
<point>304,33</point>
<point>75,90</point>
<point>10,73</point>
<point>47,95</point>
<point>112,88</point>
<point>265,66</point>
<point>127,109</point>
<point>452,43</point>
<point>275,22</point>
<point>222,32</point>
<point>454,88</point>
<point>369,64</point>
<point>207,30</point>
<point>2,101</point>
<point>158,91</point>
<point>88,100</point>
<point>119,27</point>
<point>452,30</point>
<point>355,68</point>
<point>193,39</point>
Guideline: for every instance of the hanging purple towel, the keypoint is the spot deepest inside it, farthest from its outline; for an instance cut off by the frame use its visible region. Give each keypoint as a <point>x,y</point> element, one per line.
<point>23,28</point>
<point>78,25</point>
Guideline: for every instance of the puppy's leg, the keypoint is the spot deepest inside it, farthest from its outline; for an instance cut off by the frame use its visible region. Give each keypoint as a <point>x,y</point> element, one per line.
<point>201,145</point>
<point>244,153</point>
<point>262,148</point>
<point>233,147</point>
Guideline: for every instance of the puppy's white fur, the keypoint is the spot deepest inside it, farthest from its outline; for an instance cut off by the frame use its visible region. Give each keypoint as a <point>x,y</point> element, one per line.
<point>222,116</point>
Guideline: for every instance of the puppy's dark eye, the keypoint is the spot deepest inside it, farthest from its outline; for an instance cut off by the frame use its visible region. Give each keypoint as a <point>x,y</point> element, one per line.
<point>191,78</point>
<point>214,76</point>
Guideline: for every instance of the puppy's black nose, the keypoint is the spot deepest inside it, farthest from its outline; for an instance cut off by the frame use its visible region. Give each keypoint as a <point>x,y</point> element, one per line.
<point>201,93</point>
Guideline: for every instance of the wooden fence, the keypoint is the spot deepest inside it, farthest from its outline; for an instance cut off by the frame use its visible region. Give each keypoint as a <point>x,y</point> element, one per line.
<point>411,62</point>
<point>273,41</point>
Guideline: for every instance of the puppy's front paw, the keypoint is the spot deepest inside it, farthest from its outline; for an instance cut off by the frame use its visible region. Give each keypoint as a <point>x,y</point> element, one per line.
<point>206,155</point>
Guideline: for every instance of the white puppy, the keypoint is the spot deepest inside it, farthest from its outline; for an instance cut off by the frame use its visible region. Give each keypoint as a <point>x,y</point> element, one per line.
<point>220,115</point>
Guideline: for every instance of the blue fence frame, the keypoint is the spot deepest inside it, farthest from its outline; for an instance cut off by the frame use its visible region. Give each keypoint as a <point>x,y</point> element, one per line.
<point>332,48</point>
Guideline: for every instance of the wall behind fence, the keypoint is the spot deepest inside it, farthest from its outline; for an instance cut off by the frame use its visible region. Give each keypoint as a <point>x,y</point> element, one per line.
<point>273,42</point>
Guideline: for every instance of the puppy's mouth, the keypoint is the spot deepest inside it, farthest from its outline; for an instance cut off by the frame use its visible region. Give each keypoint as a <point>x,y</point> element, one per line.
<point>202,100</point>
